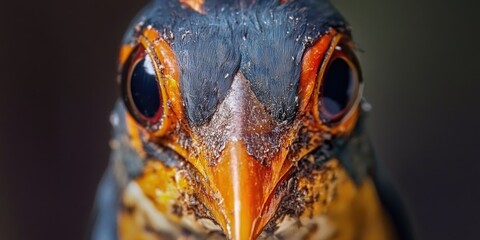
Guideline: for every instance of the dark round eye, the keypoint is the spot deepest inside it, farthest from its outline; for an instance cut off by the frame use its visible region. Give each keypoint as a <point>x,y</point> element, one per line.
<point>141,90</point>
<point>338,91</point>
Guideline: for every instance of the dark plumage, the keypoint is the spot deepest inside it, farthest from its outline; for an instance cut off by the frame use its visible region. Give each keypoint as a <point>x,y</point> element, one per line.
<point>239,142</point>
<point>264,39</point>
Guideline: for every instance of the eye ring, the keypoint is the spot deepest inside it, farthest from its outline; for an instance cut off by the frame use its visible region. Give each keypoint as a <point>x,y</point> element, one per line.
<point>164,73</point>
<point>148,69</point>
<point>339,89</point>
<point>141,88</point>
<point>339,86</point>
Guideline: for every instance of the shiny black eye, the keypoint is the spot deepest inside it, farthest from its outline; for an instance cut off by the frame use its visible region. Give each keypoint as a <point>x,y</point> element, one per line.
<point>339,90</point>
<point>144,88</point>
<point>141,89</point>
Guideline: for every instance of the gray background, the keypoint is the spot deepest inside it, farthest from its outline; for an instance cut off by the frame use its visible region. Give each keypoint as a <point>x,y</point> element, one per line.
<point>58,66</point>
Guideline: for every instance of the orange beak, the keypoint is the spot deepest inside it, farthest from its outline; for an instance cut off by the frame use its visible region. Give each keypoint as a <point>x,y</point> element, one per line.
<point>241,189</point>
<point>246,188</point>
<point>244,184</point>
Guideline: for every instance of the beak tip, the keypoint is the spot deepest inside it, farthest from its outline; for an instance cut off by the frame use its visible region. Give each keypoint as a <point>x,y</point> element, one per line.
<point>244,184</point>
<point>241,230</point>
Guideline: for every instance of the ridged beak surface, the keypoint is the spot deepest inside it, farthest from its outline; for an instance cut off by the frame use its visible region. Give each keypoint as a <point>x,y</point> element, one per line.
<point>241,178</point>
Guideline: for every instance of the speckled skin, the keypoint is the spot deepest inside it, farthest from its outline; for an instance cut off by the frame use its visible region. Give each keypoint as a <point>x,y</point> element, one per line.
<point>242,151</point>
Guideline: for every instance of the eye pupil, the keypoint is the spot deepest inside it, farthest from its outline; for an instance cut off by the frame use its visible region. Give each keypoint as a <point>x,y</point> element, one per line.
<point>337,89</point>
<point>144,88</point>
<point>140,88</point>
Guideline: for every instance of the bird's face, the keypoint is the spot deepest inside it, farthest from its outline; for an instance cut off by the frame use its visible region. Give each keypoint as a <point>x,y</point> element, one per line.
<point>230,103</point>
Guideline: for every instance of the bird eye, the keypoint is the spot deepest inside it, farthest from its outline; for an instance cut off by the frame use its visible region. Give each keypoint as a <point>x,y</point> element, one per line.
<point>338,90</point>
<point>141,89</point>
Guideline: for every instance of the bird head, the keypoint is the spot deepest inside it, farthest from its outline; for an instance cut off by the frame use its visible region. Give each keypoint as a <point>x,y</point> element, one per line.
<point>232,102</point>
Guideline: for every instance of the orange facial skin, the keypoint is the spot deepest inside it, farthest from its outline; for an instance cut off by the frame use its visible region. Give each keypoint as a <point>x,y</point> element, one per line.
<point>310,67</point>
<point>196,5</point>
<point>237,164</point>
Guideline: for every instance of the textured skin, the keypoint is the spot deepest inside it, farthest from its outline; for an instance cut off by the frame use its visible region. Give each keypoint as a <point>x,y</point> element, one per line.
<point>128,165</point>
<point>242,151</point>
<point>259,37</point>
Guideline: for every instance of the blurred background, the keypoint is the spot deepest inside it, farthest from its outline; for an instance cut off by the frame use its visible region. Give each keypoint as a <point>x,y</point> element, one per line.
<point>58,67</point>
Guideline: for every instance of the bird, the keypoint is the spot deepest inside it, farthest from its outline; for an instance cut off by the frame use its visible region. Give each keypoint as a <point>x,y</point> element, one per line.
<point>243,119</point>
